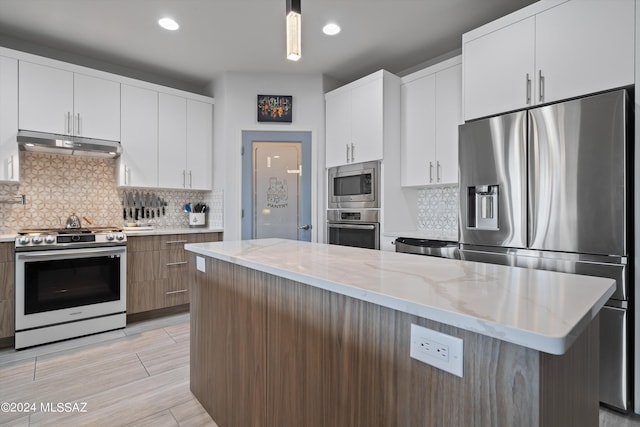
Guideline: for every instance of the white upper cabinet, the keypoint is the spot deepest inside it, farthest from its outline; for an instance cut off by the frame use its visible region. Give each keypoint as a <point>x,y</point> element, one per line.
<point>9,156</point>
<point>199,144</point>
<point>448,118</point>
<point>499,70</point>
<point>184,144</point>
<point>96,105</point>
<point>431,110</point>
<point>548,52</point>
<point>138,164</point>
<point>62,102</point>
<point>417,131</point>
<point>172,141</point>
<point>356,118</point>
<point>585,46</point>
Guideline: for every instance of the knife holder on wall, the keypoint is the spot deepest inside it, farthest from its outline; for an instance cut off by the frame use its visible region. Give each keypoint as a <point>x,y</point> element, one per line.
<point>197,219</point>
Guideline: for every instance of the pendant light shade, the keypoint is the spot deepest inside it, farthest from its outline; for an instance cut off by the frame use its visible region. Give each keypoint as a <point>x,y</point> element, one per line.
<point>294,30</point>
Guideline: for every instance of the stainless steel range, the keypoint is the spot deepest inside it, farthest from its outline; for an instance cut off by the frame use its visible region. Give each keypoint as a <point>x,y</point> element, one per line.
<point>69,283</point>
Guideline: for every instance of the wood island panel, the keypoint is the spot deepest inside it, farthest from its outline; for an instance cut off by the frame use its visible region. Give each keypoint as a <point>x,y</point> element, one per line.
<point>268,351</point>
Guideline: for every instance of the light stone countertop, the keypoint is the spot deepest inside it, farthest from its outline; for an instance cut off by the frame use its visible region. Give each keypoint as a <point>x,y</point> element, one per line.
<point>424,234</point>
<point>142,232</point>
<point>542,310</point>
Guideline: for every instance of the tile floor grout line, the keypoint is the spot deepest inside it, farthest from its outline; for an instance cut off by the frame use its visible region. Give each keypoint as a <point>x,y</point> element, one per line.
<point>142,363</point>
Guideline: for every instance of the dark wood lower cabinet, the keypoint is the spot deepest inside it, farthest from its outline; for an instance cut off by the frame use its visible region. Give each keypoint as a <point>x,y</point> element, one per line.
<point>7,288</point>
<point>157,270</point>
<point>267,351</point>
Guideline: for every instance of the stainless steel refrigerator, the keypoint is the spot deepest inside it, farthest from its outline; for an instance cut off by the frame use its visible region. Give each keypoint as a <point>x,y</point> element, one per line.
<point>550,188</point>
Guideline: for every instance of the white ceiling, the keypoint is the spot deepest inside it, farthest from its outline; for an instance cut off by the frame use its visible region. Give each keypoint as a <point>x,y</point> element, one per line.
<point>244,35</point>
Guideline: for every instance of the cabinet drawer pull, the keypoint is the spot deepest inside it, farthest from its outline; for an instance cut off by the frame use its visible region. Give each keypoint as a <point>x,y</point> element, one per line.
<point>176,292</point>
<point>177,263</point>
<point>170,242</point>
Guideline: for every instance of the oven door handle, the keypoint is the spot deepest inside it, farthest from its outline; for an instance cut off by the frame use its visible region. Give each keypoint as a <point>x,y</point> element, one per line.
<point>66,253</point>
<point>354,226</point>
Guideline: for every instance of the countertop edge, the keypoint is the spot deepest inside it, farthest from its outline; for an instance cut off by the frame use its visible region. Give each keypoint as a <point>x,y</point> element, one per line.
<point>549,344</point>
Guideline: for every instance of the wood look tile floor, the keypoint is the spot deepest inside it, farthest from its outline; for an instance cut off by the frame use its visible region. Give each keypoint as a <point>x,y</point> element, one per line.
<point>138,376</point>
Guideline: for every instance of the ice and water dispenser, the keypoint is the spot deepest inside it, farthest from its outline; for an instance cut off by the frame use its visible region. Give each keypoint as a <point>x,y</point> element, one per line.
<point>483,207</point>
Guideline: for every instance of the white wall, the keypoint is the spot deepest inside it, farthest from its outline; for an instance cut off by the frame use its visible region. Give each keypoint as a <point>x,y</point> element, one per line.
<point>235,111</point>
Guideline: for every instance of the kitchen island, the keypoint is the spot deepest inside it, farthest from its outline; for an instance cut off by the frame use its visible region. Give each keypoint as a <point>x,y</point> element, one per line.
<point>296,333</point>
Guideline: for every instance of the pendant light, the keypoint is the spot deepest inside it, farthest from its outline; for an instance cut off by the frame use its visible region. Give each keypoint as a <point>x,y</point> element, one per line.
<point>294,30</point>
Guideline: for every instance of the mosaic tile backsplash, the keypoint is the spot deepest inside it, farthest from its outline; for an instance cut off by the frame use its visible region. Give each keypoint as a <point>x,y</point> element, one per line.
<point>56,186</point>
<point>438,209</point>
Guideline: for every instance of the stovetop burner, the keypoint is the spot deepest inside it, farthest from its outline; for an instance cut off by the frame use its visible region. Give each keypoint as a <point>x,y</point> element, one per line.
<point>61,238</point>
<point>59,231</point>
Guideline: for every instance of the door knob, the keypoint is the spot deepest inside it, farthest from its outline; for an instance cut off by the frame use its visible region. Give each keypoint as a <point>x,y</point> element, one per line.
<point>305,227</point>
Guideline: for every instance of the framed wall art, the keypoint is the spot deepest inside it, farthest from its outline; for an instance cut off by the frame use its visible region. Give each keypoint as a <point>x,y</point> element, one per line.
<point>275,108</point>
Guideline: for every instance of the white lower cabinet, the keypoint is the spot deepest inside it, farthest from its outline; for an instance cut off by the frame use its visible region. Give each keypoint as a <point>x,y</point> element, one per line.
<point>9,155</point>
<point>430,112</point>
<point>138,165</point>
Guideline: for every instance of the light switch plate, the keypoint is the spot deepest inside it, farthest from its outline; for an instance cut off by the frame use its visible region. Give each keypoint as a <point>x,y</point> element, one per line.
<point>437,349</point>
<point>200,264</point>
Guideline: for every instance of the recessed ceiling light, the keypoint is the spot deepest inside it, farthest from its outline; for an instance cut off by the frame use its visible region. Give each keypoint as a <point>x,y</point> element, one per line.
<point>331,29</point>
<point>168,24</point>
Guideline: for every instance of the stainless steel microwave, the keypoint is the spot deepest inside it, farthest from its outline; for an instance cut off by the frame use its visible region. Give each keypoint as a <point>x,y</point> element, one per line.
<point>354,186</point>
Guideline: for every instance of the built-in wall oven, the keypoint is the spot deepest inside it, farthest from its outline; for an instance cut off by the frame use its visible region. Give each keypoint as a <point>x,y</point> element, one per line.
<point>357,228</point>
<point>354,186</point>
<point>69,283</point>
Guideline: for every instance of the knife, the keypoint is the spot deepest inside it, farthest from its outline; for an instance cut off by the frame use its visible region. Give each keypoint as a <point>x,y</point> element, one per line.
<point>137,205</point>
<point>129,204</point>
<point>163,206</point>
<point>153,205</point>
<point>124,206</point>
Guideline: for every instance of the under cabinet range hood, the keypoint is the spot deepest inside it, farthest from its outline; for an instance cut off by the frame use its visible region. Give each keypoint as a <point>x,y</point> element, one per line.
<point>43,142</point>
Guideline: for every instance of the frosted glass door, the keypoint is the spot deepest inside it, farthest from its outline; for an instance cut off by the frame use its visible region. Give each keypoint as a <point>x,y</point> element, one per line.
<point>276,185</point>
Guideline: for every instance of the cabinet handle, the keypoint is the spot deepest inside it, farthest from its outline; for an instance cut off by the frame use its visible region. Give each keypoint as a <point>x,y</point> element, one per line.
<point>67,130</point>
<point>126,181</point>
<point>184,178</point>
<point>347,153</point>
<point>170,242</point>
<point>177,263</point>
<point>541,80</point>
<point>78,131</point>
<point>190,180</point>
<point>176,292</point>
<point>353,157</point>
<point>438,170</point>
<point>11,166</point>
<point>528,89</point>
<point>430,172</point>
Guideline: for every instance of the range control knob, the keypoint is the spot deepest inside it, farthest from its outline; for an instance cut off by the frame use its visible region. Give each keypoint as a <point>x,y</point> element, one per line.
<point>24,240</point>
<point>36,240</point>
<point>49,239</point>
<point>120,236</point>
<point>109,236</point>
